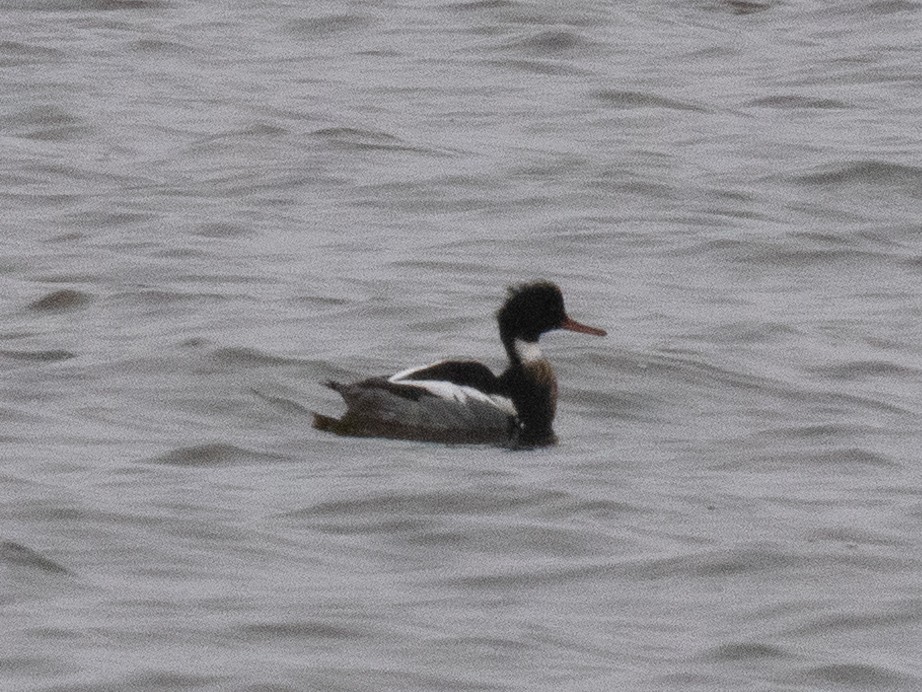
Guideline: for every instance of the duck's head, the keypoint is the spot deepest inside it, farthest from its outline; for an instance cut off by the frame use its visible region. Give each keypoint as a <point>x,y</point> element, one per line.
<point>532,309</point>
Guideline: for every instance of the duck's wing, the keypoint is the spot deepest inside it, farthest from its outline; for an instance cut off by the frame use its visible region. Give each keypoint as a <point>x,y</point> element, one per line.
<point>411,406</point>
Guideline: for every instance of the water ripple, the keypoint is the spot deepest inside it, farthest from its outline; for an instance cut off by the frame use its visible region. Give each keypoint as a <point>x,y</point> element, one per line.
<point>17,555</point>
<point>870,172</point>
<point>61,301</point>
<point>213,454</point>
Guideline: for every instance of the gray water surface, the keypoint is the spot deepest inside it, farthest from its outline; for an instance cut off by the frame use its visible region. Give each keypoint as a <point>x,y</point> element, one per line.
<point>208,209</point>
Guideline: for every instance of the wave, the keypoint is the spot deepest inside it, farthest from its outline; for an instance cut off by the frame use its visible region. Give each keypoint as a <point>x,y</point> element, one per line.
<point>211,454</point>
<point>868,172</point>
<point>638,99</point>
<point>17,555</point>
<point>62,300</point>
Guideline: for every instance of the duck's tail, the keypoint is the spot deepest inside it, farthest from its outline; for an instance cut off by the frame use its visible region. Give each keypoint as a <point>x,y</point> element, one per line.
<point>328,423</point>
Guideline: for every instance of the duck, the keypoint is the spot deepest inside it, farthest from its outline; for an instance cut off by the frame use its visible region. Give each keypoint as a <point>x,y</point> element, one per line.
<point>463,401</point>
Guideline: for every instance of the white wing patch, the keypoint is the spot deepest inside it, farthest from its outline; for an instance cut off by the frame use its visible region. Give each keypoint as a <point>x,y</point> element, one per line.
<point>462,395</point>
<point>449,391</point>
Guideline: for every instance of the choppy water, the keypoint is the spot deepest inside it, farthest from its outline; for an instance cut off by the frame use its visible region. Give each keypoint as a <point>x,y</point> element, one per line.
<point>209,208</point>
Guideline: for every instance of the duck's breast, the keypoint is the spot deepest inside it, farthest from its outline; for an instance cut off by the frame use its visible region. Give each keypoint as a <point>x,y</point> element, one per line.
<point>542,374</point>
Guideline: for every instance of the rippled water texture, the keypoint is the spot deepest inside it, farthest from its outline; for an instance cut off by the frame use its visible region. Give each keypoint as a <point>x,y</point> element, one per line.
<point>210,208</point>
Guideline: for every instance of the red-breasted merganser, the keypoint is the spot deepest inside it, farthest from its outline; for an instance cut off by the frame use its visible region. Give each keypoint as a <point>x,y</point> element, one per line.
<point>463,401</point>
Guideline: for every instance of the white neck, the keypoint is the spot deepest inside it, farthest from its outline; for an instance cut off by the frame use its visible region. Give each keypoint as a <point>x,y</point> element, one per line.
<point>528,351</point>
